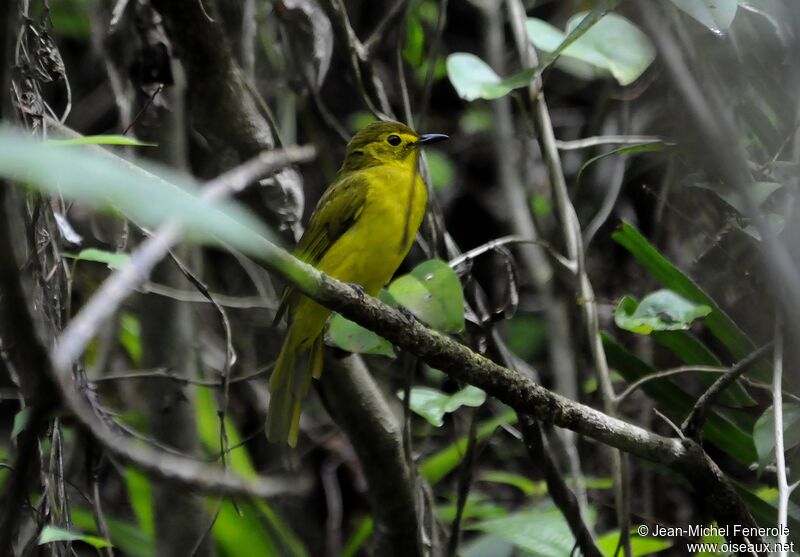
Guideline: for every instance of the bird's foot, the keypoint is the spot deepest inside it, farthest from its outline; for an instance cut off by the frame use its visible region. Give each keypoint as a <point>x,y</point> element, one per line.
<point>409,315</point>
<point>358,288</point>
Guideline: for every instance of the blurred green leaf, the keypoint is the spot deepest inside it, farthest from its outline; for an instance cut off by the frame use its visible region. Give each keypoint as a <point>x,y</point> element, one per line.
<point>125,536</point>
<point>438,465</point>
<point>600,9</point>
<point>524,484</point>
<point>413,48</point>
<point>82,174</point>
<point>764,432</point>
<point>130,331</point>
<point>719,429</point>
<point>99,140</point>
<point>541,205</point>
<point>542,531</point>
<point>441,169</point>
<point>476,119</point>
<point>358,538</point>
<point>652,147</point>
<point>488,546</point>
<point>717,15</point>
<point>264,532</point>
<point>640,546</point>
<point>432,291</point>
<point>70,18</point>
<point>612,43</point>
<point>51,534</point>
<point>432,404</point>
<point>525,335</point>
<point>359,120</point>
<point>473,79</point>
<point>140,495</point>
<point>477,506</point>
<point>663,310</point>
<point>113,260</point>
<point>21,419</point>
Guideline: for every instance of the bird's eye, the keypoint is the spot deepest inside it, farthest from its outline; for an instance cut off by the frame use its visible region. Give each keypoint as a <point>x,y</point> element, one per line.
<point>394,140</point>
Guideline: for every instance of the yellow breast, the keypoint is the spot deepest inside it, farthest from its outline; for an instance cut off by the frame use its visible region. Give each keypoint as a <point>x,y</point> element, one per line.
<point>370,252</point>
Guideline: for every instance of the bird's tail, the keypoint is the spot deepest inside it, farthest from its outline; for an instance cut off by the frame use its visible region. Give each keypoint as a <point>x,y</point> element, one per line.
<point>300,360</point>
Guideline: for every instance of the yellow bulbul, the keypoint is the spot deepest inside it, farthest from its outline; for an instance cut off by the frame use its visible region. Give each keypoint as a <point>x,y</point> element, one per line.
<point>360,232</point>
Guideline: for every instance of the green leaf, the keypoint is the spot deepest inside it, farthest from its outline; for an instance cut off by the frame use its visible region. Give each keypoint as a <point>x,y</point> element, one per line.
<point>542,531</point>
<point>524,484</point>
<point>352,337</point>
<point>432,291</point>
<point>140,495</point>
<point>433,405</point>
<point>719,429</point>
<point>441,169</point>
<point>266,533</point>
<point>21,419</point>
<point>612,43</point>
<point>473,79</point>
<point>477,506</point>
<point>652,147</point>
<point>125,536</point>
<point>671,277</point>
<point>640,546</point>
<point>438,465</point>
<point>358,538</point>
<point>764,432</point>
<point>663,310</point>
<point>600,9</point>
<point>84,175</point>
<point>55,534</point>
<point>113,260</point>
<point>99,140</point>
<point>717,15</point>
<point>130,336</point>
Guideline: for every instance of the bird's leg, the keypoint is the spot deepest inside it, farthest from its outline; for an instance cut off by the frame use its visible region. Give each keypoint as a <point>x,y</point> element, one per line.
<point>409,315</point>
<point>358,288</point>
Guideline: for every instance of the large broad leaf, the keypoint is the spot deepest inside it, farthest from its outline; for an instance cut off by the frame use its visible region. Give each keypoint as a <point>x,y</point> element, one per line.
<point>55,534</point>
<point>115,260</point>
<point>764,432</point>
<point>473,79</point>
<point>640,546</point>
<point>433,404</point>
<point>717,15</point>
<point>88,176</point>
<point>663,310</point>
<point>352,337</point>
<point>613,43</point>
<point>542,531</point>
<point>719,429</point>
<point>671,277</point>
<point>432,291</point>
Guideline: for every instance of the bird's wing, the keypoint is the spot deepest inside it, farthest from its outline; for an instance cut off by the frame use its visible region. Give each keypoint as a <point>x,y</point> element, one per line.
<point>338,209</point>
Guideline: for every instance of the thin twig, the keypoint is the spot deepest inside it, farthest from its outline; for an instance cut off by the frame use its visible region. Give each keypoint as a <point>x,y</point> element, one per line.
<point>597,140</point>
<point>780,457</point>
<point>693,424</point>
<point>668,373</point>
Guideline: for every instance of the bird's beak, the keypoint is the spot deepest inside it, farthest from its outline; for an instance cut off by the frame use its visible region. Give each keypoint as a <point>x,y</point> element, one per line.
<point>428,138</point>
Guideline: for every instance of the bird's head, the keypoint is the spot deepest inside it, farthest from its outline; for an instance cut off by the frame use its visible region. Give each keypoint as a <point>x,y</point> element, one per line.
<point>386,143</point>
